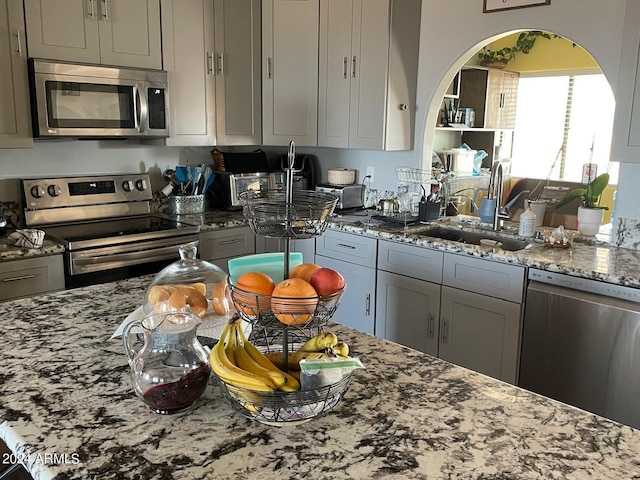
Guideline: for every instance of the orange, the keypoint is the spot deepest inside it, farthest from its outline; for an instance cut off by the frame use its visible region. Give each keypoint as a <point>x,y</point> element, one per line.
<point>221,298</point>
<point>252,295</point>
<point>304,271</point>
<point>294,301</point>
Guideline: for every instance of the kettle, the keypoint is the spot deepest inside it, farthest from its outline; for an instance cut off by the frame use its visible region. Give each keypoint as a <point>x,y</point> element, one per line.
<point>388,205</point>
<point>487,206</point>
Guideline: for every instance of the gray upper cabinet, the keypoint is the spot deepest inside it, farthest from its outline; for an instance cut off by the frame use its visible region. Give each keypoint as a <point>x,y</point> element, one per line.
<point>368,64</point>
<point>109,32</point>
<point>15,119</point>
<point>290,71</point>
<point>625,141</point>
<point>211,51</point>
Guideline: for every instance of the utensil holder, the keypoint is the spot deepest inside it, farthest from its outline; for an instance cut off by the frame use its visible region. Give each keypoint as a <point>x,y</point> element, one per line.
<point>185,204</point>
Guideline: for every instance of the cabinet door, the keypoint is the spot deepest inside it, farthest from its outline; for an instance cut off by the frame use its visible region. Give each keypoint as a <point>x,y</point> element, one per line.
<point>335,70</point>
<point>480,333</point>
<point>407,311</point>
<point>625,141</point>
<point>188,49</point>
<point>369,74</point>
<point>348,247</point>
<point>15,119</point>
<point>357,305</point>
<point>237,69</point>
<point>290,71</point>
<point>63,29</point>
<point>509,89</point>
<point>130,33</point>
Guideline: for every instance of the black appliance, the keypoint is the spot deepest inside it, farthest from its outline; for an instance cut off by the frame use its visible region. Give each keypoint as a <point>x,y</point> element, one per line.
<point>307,170</point>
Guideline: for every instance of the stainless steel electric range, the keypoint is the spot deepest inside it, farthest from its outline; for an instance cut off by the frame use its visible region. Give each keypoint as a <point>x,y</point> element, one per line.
<point>106,225</point>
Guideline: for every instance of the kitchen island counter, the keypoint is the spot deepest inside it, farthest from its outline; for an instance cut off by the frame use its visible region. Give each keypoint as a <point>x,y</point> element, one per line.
<point>66,393</point>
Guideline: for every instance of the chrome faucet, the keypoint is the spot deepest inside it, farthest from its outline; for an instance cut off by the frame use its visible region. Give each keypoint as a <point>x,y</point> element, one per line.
<point>495,192</point>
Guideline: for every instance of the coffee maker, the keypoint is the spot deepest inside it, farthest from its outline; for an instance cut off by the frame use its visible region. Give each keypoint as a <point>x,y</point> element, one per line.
<point>307,171</point>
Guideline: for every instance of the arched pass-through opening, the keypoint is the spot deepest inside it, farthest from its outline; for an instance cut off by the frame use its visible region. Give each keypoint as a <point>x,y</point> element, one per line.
<point>564,101</point>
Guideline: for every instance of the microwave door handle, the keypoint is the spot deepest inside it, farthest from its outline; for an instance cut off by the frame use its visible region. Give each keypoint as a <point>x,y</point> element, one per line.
<point>141,101</point>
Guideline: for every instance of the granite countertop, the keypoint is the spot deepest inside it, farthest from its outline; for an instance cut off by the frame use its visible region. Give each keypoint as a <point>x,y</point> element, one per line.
<point>10,251</point>
<point>67,400</point>
<point>589,257</point>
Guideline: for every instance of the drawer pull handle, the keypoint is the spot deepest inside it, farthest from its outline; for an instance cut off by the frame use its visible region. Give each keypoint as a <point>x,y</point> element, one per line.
<point>367,304</point>
<point>16,279</point>
<point>228,242</point>
<point>351,247</point>
<point>431,326</point>
<point>445,331</point>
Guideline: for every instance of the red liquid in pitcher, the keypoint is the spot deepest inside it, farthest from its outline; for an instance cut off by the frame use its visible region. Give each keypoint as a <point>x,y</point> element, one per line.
<point>174,397</point>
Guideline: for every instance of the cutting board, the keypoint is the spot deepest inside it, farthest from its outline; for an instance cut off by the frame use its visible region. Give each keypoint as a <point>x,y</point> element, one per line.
<point>270,263</point>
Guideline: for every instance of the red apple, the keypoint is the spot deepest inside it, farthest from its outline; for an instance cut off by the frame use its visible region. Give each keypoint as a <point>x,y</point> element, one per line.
<point>326,281</point>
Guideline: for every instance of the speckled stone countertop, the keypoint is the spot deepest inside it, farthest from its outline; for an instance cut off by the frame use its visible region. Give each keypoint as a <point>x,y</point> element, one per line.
<point>66,400</point>
<point>10,251</point>
<point>588,257</point>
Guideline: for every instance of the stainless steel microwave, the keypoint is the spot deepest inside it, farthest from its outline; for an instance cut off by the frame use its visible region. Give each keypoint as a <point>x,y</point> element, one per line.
<point>78,100</point>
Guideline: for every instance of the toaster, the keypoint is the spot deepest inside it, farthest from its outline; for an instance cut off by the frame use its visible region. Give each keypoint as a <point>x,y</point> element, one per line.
<point>349,196</point>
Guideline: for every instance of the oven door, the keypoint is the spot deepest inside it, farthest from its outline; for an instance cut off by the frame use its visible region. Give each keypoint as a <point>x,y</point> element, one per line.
<point>127,255</point>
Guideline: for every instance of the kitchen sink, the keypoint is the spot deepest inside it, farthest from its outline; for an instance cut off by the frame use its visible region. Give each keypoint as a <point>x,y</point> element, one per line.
<point>491,239</point>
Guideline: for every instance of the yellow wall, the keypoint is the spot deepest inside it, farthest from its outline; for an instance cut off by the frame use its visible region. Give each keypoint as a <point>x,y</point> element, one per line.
<point>554,54</point>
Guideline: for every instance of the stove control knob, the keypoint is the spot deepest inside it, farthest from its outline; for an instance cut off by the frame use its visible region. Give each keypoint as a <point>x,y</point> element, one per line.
<point>127,185</point>
<point>37,191</point>
<point>54,190</point>
<point>141,184</point>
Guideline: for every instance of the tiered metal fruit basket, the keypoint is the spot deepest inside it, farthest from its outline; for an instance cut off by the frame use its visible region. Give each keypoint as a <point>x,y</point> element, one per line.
<point>300,214</point>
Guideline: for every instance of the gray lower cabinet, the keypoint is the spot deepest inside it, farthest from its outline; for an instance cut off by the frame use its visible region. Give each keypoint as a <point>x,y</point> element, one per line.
<point>218,246</point>
<point>408,311</point>
<point>465,310</point>
<point>31,276</point>
<point>354,256</point>
<point>480,333</point>
<point>481,315</point>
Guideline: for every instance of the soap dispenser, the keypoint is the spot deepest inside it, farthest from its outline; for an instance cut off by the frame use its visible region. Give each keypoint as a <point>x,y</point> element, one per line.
<point>527,222</point>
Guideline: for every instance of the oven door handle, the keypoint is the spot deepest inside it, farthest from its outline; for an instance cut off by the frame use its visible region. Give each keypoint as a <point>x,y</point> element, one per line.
<point>147,256</point>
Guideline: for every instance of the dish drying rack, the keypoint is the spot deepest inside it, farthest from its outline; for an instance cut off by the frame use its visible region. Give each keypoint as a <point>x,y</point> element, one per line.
<point>285,215</point>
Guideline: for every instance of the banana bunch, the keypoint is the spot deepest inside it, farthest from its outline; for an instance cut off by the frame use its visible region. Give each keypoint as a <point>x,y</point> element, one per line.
<point>238,362</point>
<point>323,345</point>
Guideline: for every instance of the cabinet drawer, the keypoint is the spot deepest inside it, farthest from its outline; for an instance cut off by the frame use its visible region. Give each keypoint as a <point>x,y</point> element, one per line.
<point>347,247</point>
<point>410,260</point>
<point>485,277</point>
<point>227,242</point>
<point>30,276</point>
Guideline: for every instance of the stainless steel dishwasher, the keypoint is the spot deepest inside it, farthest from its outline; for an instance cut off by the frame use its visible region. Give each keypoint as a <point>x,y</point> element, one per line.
<point>581,344</point>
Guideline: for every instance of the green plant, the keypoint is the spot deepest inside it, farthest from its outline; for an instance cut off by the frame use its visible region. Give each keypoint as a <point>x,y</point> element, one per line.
<point>591,195</point>
<point>524,44</point>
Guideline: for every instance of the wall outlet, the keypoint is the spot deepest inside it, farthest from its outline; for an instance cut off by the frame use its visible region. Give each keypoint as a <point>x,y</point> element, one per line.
<point>370,174</point>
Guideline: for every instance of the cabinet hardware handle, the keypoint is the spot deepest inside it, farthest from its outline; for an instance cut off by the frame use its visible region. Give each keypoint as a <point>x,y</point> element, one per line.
<point>445,331</point>
<point>353,67</point>
<point>403,107</point>
<point>221,63</point>
<point>431,326</point>
<point>228,242</point>
<point>351,247</point>
<point>104,10</point>
<point>90,12</point>
<point>345,61</point>
<point>209,63</point>
<point>15,279</point>
<point>269,72</point>
<point>502,100</point>
<point>367,304</point>
<point>19,37</point>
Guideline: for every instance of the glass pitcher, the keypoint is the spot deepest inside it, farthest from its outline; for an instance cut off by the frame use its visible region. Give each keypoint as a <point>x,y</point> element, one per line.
<point>171,370</point>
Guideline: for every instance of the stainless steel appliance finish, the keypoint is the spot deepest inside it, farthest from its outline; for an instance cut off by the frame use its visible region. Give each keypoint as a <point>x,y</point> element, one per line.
<point>74,100</point>
<point>105,224</point>
<point>580,344</point>
<point>349,196</point>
